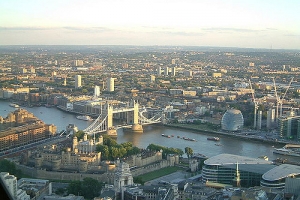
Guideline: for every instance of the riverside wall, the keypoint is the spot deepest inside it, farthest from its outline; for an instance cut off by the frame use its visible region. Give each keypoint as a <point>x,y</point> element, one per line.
<point>230,134</point>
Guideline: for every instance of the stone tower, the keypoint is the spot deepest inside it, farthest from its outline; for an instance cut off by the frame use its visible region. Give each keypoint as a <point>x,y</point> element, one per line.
<point>75,143</point>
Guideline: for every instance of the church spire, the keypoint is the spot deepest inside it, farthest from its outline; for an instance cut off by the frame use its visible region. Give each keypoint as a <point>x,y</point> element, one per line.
<point>237,178</point>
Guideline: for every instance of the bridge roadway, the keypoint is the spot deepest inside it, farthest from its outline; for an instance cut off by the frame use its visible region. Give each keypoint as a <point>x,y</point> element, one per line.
<point>120,110</point>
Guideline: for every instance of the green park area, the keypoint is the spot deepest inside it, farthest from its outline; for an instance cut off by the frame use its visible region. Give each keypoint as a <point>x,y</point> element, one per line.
<point>156,174</point>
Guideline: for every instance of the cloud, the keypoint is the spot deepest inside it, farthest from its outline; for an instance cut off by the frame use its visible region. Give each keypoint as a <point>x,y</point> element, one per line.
<point>292,35</point>
<point>86,29</point>
<point>221,29</point>
<point>38,28</point>
<point>24,28</point>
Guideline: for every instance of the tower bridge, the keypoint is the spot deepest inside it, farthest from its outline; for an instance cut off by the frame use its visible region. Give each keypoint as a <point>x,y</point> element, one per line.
<point>132,115</point>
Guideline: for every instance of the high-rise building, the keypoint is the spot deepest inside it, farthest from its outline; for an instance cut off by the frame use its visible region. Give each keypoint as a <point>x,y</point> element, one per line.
<point>78,63</point>
<point>159,70</point>
<point>32,70</point>
<point>77,81</point>
<point>166,71</point>
<point>289,127</point>
<point>270,117</point>
<point>259,118</point>
<point>97,91</point>
<point>110,84</point>
<point>173,72</point>
<point>173,62</point>
<point>10,182</point>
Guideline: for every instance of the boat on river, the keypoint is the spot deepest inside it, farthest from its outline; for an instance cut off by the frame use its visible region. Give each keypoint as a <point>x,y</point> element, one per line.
<point>84,117</point>
<point>189,139</point>
<point>288,150</point>
<point>167,136</point>
<point>14,105</point>
<point>213,138</point>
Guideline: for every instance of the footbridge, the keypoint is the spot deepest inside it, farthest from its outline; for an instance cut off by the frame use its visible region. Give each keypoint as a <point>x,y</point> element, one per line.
<point>131,115</point>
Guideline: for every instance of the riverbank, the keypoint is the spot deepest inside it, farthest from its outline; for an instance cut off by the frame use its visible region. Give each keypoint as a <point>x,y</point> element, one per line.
<point>231,134</point>
<point>74,112</point>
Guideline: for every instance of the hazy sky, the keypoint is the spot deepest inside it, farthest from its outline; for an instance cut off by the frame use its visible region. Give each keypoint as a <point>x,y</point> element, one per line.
<point>227,23</point>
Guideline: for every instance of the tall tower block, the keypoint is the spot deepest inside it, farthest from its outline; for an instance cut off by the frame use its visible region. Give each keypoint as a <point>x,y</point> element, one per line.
<point>110,84</point>
<point>77,81</point>
<point>159,70</point>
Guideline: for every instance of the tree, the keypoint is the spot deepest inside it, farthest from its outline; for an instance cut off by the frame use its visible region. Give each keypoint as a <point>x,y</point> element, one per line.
<point>109,141</point>
<point>10,167</point>
<point>104,151</point>
<point>114,152</point>
<point>189,151</point>
<point>79,134</point>
<point>75,188</point>
<point>90,188</point>
<point>133,151</point>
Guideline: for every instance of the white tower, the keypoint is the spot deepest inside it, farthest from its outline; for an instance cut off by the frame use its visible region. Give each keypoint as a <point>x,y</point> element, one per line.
<point>97,91</point>
<point>110,84</point>
<point>77,81</point>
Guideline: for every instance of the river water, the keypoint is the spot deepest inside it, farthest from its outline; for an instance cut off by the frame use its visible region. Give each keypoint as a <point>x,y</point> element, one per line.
<point>152,134</point>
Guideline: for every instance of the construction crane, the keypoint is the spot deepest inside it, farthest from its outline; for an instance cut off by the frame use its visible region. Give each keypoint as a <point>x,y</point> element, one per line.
<point>277,98</point>
<point>280,99</point>
<point>255,104</point>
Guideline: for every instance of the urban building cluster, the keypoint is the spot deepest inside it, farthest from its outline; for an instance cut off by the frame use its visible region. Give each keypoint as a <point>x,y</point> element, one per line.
<point>201,83</point>
<point>231,89</point>
<point>22,127</point>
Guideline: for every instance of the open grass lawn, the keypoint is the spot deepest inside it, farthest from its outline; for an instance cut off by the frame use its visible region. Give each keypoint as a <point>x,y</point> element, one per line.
<point>158,173</point>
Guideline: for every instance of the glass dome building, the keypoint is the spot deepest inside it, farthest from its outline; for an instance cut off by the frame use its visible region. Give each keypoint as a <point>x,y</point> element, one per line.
<point>232,120</point>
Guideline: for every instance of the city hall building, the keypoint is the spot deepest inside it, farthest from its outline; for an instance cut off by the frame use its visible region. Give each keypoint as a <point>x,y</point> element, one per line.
<point>223,169</point>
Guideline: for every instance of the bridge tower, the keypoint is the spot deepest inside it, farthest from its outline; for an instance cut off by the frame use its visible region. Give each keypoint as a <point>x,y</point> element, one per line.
<point>110,129</point>
<point>136,127</point>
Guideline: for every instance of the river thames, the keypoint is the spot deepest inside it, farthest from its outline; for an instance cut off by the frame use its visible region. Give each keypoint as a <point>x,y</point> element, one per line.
<point>152,134</point>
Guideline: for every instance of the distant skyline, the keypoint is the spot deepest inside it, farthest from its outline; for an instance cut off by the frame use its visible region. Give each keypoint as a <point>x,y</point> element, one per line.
<point>224,23</point>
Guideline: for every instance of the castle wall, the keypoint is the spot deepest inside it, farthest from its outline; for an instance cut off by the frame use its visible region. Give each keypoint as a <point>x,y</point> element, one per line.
<point>105,177</point>
<point>137,160</point>
<point>43,174</point>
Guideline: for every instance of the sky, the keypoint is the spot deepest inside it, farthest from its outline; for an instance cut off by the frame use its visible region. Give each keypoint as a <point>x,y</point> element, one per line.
<point>225,23</point>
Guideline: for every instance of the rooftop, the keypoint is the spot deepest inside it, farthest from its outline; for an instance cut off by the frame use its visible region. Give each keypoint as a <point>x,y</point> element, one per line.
<point>282,171</point>
<point>229,159</point>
